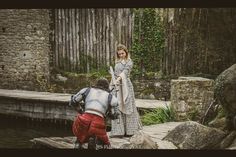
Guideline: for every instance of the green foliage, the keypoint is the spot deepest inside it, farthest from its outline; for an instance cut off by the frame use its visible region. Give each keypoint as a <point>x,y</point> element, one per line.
<point>158,115</point>
<point>75,81</point>
<point>150,75</point>
<point>221,113</point>
<point>148,42</point>
<point>102,72</point>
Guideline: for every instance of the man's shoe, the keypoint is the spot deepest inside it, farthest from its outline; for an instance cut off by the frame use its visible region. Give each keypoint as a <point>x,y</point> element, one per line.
<point>92,143</point>
<point>78,145</point>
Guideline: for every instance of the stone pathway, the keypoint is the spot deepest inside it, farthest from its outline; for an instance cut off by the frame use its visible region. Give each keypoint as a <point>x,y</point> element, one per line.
<point>156,132</point>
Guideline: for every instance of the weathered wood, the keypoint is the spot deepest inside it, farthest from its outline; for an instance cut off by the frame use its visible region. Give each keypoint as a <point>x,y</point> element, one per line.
<point>107,35</point>
<point>87,40</point>
<point>77,50</point>
<point>63,39</point>
<point>56,49</point>
<point>197,39</point>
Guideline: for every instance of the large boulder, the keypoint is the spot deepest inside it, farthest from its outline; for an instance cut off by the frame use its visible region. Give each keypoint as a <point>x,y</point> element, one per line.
<point>192,135</point>
<point>225,94</point>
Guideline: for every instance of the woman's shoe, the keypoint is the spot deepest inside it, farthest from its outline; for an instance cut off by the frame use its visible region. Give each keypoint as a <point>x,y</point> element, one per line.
<point>128,135</point>
<point>116,136</point>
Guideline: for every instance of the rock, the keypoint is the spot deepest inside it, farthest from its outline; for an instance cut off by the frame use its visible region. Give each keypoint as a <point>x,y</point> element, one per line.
<point>218,123</point>
<point>192,135</point>
<point>233,145</point>
<point>163,144</point>
<point>151,96</point>
<point>140,140</point>
<point>119,143</point>
<point>61,78</point>
<point>227,141</point>
<point>225,93</point>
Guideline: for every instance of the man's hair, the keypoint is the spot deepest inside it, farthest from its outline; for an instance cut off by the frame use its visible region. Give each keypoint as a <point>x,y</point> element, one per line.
<point>102,83</point>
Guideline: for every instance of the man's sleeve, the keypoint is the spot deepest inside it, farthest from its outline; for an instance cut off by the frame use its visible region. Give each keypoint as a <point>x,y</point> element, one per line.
<point>79,96</point>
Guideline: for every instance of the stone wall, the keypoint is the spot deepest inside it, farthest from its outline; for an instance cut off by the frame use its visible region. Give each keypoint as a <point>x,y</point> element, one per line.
<point>24,48</point>
<point>191,96</point>
<point>152,89</point>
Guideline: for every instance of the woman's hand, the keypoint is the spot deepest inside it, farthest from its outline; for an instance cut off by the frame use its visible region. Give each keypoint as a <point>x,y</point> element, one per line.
<point>118,80</point>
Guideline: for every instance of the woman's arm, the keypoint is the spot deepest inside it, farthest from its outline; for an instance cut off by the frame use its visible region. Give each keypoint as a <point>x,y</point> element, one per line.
<point>127,68</point>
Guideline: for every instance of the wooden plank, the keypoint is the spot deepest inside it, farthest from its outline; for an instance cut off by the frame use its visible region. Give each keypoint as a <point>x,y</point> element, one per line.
<point>86,41</point>
<point>70,57</point>
<point>96,36</point>
<point>82,50</point>
<point>63,38</point>
<point>111,42</point>
<point>107,37</point>
<point>99,38</point>
<point>89,37</point>
<point>80,40</point>
<point>77,38</point>
<point>60,45</point>
<point>73,45</point>
<point>94,42</point>
<point>56,48</point>
<point>67,52</point>
<point>119,25</point>
<point>103,37</point>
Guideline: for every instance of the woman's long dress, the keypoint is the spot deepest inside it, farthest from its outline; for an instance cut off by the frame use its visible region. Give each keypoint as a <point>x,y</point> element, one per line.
<point>129,120</point>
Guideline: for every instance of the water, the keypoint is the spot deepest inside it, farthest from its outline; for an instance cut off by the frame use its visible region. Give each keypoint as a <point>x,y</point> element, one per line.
<point>17,133</point>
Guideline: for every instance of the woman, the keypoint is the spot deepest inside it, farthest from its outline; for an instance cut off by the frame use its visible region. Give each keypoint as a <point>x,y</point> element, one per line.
<point>129,121</point>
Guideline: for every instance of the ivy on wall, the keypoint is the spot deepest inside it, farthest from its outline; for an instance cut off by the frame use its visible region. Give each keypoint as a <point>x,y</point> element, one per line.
<point>148,44</point>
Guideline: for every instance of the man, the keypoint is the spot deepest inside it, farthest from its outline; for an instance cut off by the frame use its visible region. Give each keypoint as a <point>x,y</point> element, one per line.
<point>89,126</point>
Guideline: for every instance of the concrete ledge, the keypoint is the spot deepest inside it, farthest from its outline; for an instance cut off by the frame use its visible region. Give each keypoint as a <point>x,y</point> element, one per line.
<point>65,97</point>
<point>45,105</point>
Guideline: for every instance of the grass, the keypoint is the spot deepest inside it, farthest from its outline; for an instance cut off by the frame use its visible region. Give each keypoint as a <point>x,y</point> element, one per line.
<point>157,116</point>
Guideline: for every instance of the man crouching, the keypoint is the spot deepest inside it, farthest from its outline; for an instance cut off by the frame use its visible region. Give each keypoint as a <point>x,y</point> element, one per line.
<point>89,125</point>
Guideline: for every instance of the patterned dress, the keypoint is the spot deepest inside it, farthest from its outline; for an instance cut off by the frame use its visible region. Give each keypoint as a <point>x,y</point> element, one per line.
<point>129,120</point>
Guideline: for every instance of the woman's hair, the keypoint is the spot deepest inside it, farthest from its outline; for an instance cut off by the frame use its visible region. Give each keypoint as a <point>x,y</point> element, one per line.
<point>122,47</point>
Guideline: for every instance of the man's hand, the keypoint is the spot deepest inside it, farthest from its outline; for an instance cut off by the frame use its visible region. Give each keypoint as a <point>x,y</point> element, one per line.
<point>114,116</point>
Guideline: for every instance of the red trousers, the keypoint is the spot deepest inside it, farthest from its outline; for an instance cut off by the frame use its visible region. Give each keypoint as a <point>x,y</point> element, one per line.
<point>87,125</point>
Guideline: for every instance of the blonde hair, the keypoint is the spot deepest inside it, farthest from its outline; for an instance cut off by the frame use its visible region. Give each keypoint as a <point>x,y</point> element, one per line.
<point>122,47</point>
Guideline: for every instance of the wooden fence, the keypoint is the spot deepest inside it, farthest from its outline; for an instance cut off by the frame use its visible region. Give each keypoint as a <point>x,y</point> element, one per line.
<point>85,39</point>
<point>199,40</point>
